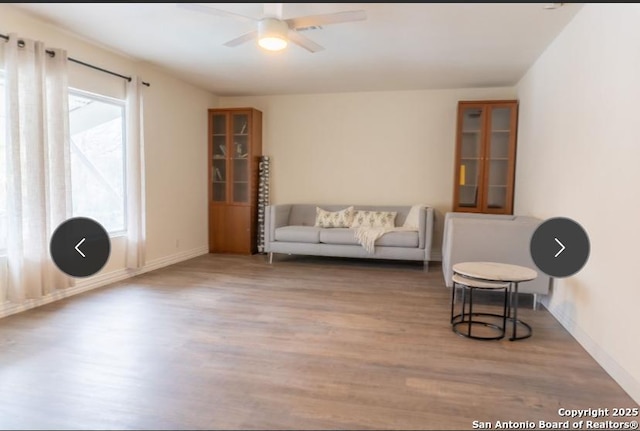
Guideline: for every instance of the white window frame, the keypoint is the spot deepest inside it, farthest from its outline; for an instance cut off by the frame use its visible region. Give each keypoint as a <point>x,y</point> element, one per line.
<point>122,104</point>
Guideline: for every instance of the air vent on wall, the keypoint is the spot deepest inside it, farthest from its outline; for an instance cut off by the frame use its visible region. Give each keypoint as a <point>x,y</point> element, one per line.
<point>311,27</point>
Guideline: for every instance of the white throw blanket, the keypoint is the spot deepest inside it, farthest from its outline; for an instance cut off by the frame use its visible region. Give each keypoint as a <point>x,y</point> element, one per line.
<point>367,236</point>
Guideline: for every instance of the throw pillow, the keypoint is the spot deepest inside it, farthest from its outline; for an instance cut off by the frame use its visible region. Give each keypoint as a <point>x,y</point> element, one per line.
<point>413,218</point>
<point>341,218</point>
<point>374,219</point>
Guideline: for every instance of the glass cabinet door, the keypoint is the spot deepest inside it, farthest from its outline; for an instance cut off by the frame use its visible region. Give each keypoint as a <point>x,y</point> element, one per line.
<point>498,157</point>
<point>240,158</point>
<point>219,154</point>
<point>470,169</point>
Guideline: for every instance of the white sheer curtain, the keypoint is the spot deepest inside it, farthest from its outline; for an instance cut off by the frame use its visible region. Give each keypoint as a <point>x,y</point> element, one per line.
<point>135,176</point>
<point>37,157</point>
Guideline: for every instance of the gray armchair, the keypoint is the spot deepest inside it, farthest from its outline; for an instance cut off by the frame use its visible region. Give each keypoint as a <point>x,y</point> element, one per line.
<point>491,237</point>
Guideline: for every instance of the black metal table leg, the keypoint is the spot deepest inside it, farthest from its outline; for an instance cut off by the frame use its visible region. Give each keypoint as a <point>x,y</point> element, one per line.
<point>514,319</point>
<point>453,299</point>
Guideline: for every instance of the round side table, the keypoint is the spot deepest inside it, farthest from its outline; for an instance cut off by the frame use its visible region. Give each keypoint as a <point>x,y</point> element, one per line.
<point>501,272</point>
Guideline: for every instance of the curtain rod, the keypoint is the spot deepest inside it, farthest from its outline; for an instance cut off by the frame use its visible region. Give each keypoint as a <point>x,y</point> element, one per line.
<point>128,78</point>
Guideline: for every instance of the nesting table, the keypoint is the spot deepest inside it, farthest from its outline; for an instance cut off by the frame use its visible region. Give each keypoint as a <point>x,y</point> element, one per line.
<point>463,322</point>
<point>497,272</point>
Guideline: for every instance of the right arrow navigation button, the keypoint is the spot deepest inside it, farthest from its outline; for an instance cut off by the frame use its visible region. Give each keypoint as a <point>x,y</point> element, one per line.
<point>561,245</point>
<point>572,254</point>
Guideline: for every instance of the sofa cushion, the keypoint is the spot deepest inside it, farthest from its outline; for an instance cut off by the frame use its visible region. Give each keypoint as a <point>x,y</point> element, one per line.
<point>334,219</point>
<point>389,239</point>
<point>374,219</point>
<point>338,236</point>
<point>413,218</point>
<point>309,234</point>
<point>398,239</point>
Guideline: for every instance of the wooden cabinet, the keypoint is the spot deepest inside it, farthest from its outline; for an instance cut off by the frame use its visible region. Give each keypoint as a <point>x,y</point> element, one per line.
<point>485,156</point>
<point>235,146</point>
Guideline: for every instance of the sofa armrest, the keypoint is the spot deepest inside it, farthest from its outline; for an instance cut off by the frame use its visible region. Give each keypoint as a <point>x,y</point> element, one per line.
<point>275,216</point>
<point>425,231</point>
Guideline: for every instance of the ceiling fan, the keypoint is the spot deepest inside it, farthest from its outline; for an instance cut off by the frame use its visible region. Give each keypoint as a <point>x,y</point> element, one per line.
<point>273,32</point>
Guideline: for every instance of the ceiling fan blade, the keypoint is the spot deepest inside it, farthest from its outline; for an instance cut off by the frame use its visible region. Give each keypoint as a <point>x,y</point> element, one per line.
<point>214,11</point>
<point>242,39</point>
<point>330,18</point>
<point>303,41</point>
<point>273,10</point>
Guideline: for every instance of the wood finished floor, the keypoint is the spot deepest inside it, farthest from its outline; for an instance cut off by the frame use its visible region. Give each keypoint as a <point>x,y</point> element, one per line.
<point>231,342</point>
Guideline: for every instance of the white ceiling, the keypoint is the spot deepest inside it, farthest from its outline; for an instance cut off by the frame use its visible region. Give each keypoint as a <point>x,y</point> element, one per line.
<point>400,46</point>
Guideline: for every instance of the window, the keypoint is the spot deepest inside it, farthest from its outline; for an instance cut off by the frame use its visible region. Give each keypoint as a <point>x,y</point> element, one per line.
<point>97,130</point>
<point>97,151</point>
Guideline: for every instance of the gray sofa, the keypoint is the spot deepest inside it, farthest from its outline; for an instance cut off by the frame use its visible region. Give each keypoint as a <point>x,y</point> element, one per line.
<point>491,237</point>
<point>289,228</point>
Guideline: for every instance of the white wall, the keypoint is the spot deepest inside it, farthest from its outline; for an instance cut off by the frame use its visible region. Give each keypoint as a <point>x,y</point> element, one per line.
<point>579,149</point>
<point>175,127</point>
<point>394,148</point>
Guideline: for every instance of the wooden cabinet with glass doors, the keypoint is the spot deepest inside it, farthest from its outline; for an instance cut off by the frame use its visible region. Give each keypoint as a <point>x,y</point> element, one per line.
<point>235,146</point>
<point>485,156</point>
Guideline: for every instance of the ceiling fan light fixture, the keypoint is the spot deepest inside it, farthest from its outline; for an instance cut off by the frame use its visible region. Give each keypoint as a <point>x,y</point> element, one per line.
<point>272,43</point>
<point>272,34</point>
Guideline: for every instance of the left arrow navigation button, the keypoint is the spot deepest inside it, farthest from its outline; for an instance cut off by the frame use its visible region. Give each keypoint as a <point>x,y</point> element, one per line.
<point>80,247</point>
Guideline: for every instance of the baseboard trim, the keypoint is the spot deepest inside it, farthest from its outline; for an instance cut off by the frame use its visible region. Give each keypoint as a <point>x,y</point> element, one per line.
<point>101,280</point>
<point>170,260</point>
<point>630,385</point>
